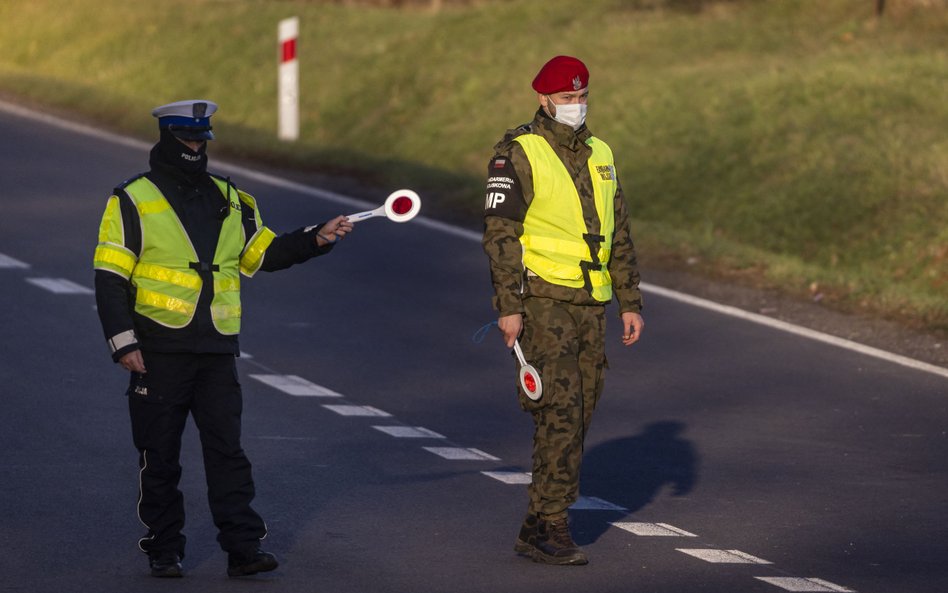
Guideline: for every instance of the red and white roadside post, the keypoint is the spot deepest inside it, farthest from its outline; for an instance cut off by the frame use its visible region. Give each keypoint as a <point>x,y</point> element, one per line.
<point>288,101</point>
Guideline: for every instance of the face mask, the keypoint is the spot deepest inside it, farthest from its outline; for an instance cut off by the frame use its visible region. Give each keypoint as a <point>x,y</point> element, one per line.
<point>571,114</point>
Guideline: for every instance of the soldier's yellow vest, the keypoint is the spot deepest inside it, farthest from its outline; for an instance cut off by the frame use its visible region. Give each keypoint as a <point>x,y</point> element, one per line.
<point>165,274</point>
<point>555,245</point>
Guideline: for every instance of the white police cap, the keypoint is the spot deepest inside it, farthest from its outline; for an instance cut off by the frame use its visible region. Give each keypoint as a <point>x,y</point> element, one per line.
<point>188,120</point>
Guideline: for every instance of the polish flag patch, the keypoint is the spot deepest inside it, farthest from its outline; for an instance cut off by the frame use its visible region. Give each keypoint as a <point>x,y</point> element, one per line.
<point>500,163</point>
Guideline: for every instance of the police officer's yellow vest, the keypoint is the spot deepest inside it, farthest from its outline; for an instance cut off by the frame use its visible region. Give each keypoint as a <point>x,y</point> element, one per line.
<point>554,239</point>
<point>165,274</point>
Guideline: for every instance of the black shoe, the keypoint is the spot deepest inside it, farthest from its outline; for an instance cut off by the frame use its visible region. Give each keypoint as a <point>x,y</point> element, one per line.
<point>555,545</point>
<point>165,565</point>
<point>242,565</point>
<point>527,538</point>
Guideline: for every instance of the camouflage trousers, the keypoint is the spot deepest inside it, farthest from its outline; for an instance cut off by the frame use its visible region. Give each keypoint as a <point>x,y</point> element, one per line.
<point>566,344</point>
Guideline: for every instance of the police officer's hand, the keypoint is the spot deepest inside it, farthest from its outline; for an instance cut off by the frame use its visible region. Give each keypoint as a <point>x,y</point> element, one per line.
<point>632,326</point>
<point>332,231</point>
<point>510,326</point>
<point>133,361</point>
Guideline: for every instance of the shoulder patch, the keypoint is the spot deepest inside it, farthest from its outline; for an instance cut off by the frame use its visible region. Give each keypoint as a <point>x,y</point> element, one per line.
<point>504,197</point>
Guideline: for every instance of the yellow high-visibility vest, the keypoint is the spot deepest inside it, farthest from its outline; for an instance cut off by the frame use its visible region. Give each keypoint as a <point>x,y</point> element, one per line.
<point>165,274</point>
<point>554,240</point>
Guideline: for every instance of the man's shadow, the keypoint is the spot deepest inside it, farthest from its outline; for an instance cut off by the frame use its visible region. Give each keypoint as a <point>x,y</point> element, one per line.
<point>630,472</point>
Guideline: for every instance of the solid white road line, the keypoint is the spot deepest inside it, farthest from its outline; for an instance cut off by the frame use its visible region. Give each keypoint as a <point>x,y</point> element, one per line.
<point>60,285</point>
<point>474,236</point>
<point>796,330</point>
<point>294,385</point>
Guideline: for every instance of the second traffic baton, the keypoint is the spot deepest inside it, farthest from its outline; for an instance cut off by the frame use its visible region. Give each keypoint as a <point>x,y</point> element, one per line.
<point>529,376</point>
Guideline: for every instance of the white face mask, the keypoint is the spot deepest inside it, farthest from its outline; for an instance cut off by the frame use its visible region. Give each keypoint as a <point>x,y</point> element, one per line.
<point>571,114</point>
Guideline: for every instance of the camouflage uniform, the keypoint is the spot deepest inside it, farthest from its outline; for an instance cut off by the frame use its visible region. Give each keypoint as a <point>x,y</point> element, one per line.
<point>564,328</point>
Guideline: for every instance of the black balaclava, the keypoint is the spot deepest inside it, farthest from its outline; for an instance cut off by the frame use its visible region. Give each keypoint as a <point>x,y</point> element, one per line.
<point>173,153</point>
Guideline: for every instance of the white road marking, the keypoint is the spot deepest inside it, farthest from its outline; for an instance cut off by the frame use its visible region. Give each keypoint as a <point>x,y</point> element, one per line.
<point>475,236</point>
<point>796,329</point>
<point>409,432</point>
<point>591,503</point>
<point>653,529</point>
<point>294,385</point>
<point>460,453</point>
<point>357,410</point>
<point>801,584</point>
<point>60,285</point>
<point>8,262</point>
<point>510,477</point>
<point>723,556</point>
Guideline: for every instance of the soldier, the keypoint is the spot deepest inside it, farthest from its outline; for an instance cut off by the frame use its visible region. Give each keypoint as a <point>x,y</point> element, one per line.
<point>172,245</point>
<point>556,231</point>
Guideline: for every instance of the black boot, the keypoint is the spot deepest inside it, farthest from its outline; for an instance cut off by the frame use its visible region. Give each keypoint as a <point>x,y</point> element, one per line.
<point>165,564</point>
<point>527,538</point>
<point>248,563</point>
<point>555,545</point>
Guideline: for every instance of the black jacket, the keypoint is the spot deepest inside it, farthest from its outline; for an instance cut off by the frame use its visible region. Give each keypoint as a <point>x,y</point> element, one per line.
<point>201,207</point>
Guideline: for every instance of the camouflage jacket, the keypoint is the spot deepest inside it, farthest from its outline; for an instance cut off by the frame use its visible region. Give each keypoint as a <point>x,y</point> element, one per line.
<point>509,193</point>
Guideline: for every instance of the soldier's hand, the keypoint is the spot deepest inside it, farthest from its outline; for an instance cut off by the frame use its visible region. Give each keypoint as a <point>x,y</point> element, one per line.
<point>632,326</point>
<point>510,326</point>
<point>133,361</point>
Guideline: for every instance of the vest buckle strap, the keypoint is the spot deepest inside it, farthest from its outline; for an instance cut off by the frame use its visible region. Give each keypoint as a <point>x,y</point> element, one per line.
<point>590,266</point>
<point>594,242</point>
<point>203,266</point>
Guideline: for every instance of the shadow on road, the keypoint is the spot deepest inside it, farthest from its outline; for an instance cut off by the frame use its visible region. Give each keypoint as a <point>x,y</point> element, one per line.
<point>631,471</point>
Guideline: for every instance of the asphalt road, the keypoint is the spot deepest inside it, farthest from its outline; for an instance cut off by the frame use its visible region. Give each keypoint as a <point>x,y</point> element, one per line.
<point>726,455</point>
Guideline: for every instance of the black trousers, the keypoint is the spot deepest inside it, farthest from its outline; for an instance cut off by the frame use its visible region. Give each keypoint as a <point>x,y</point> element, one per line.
<point>205,386</point>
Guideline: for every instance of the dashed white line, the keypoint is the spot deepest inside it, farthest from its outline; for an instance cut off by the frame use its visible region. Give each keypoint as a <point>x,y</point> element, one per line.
<point>723,556</point>
<point>801,584</point>
<point>59,285</point>
<point>510,477</point>
<point>357,410</point>
<point>460,453</point>
<point>8,262</point>
<point>653,529</point>
<point>294,385</point>
<point>409,432</point>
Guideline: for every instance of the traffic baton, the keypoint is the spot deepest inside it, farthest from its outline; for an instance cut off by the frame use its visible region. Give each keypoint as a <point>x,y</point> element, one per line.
<point>400,206</point>
<point>529,376</point>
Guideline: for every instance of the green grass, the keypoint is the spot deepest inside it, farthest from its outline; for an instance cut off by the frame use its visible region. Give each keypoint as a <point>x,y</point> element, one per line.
<point>780,142</point>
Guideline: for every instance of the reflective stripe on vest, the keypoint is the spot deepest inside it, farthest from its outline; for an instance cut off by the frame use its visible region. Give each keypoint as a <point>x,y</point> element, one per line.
<point>167,287</point>
<point>111,254</point>
<point>553,240</point>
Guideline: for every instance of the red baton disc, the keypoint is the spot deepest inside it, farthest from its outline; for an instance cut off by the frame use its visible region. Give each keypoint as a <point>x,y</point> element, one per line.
<point>529,382</point>
<point>402,205</point>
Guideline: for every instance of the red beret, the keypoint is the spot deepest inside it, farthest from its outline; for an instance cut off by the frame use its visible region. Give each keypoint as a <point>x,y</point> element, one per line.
<point>560,75</point>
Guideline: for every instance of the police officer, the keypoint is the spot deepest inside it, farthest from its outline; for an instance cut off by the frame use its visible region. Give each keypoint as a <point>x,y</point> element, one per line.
<point>557,235</point>
<point>173,243</point>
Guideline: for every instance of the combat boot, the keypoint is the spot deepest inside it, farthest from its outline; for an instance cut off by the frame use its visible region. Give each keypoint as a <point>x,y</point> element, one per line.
<point>555,545</point>
<point>528,536</point>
